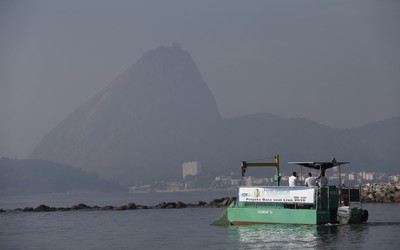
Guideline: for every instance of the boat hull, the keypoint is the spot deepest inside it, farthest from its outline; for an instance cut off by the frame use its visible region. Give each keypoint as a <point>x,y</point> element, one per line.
<point>269,215</point>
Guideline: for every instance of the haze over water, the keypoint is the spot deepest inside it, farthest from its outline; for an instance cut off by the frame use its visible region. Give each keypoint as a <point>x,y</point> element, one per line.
<point>332,62</point>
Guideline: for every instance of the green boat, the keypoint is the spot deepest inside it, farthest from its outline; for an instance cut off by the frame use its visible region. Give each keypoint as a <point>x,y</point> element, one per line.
<point>294,205</point>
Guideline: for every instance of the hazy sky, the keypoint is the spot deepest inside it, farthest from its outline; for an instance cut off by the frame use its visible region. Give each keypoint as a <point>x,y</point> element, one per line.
<point>334,62</point>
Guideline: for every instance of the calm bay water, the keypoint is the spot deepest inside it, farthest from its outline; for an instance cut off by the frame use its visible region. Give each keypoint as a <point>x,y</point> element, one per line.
<point>187,228</point>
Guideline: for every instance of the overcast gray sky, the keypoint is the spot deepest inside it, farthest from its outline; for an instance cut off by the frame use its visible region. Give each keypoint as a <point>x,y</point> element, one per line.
<point>334,62</point>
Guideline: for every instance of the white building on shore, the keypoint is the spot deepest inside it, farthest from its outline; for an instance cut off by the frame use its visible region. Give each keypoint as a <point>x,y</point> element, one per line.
<point>190,168</point>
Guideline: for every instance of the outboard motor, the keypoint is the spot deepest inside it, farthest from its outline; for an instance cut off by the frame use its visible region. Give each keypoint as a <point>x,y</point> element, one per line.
<point>343,214</point>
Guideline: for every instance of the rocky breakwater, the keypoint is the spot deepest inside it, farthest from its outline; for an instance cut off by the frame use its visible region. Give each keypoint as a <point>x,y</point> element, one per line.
<point>381,192</point>
<point>221,202</point>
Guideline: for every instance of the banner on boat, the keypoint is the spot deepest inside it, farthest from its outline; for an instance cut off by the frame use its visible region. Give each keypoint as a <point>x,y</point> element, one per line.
<point>277,194</point>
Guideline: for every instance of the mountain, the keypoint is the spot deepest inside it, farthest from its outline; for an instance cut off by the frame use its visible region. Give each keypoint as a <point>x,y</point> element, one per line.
<point>155,115</point>
<point>160,113</point>
<point>43,176</point>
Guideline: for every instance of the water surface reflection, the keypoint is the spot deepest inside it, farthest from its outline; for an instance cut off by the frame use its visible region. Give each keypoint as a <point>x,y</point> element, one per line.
<point>298,236</point>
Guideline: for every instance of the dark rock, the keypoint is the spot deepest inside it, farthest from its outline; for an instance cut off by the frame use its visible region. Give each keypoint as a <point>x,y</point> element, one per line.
<point>217,202</point>
<point>43,208</point>
<point>200,204</point>
<point>80,206</point>
<point>131,206</point>
<point>171,205</point>
<point>222,202</point>
<point>124,207</point>
<point>226,202</point>
<point>2,210</point>
<point>162,205</point>
<point>28,209</point>
<point>63,209</point>
<point>180,204</point>
<point>107,208</point>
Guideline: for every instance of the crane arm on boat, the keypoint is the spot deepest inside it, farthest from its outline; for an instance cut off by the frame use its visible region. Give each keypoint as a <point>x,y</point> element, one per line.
<point>275,164</point>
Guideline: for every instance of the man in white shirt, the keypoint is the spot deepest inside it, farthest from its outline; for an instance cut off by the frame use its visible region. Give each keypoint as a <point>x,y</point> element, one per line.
<point>293,180</point>
<point>323,181</point>
<point>310,181</point>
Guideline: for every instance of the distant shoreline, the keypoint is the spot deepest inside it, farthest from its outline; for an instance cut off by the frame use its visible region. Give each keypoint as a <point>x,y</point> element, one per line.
<point>388,192</point>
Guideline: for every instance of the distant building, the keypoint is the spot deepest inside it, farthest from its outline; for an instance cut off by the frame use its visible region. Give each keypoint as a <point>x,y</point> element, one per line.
<point>174,186</point>
<point>366,176</point>
<point>235,182</point>
<point>248,181</point>
<point>190,168</point>
<point>140,189</point>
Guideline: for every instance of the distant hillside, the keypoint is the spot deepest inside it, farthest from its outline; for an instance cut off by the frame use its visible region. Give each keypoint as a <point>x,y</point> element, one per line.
<point>382,139</point>
<point>160,113</point>
<point>368,148</point>
<point>42,176</point>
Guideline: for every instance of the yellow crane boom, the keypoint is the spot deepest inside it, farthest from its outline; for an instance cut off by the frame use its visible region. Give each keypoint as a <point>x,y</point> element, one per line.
<point>264,164</point>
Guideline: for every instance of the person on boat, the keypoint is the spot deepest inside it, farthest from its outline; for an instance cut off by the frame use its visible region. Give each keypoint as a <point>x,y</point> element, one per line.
<point>293,180</point>
<point>310,180</point>
<point>322,180</point>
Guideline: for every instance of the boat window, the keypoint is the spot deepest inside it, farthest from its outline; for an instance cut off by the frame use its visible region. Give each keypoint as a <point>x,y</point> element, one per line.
<point>355,195</point>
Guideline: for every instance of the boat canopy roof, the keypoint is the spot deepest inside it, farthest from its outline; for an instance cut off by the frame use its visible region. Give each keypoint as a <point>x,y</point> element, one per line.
<point>319,164</point>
